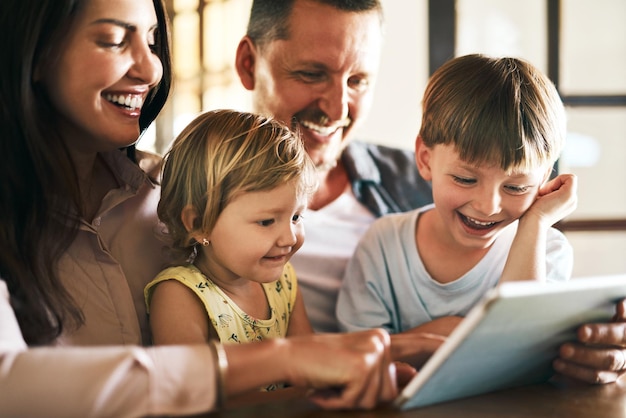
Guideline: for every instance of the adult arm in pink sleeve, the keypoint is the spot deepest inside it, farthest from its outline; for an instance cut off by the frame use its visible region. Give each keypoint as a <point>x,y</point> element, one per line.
<point>106,381</point>
<point>182,380</point>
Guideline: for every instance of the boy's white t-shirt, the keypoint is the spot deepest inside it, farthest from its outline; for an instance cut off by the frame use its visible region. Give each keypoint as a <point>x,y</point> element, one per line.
<point>331,235</point>
<point>386,284</point>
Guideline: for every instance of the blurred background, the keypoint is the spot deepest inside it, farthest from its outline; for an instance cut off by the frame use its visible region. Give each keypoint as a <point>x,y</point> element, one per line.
<point>580,44</point>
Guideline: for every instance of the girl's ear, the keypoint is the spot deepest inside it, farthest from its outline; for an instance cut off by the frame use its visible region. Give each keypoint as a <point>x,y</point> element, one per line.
<point>422,158</point>
<point>189,217</point>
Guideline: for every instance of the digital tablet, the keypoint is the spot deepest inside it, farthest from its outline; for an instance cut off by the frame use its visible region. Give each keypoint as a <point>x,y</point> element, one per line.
<point>511,338</point>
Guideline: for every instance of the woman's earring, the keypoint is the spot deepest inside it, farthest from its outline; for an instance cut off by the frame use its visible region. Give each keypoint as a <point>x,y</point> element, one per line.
<point>205,242</point>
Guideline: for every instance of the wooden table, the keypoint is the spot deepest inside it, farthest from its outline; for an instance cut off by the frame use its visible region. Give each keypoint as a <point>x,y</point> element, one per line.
<point>561,399</point>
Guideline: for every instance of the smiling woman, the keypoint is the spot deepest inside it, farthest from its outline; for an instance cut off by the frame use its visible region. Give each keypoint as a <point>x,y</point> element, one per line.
<point>106,56</point>
<point>66,148</point>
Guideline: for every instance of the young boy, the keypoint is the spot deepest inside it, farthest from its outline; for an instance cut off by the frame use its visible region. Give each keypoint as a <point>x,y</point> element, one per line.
<point>492,129</point>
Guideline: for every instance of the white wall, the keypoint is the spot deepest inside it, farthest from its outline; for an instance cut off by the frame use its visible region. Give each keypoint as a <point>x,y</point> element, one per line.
<point>396,113</point>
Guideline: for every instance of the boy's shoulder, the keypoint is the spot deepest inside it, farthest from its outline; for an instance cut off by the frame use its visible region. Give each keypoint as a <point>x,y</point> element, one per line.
<point>400,218</point>
<point>395,224</point>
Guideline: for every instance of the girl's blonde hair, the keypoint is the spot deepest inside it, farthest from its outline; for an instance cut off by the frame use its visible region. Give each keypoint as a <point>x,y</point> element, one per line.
<point>220,154</point>
<point>500,111</point>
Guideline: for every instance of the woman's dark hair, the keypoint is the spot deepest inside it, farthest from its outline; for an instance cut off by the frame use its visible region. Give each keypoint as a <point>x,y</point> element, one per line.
<point>40,201</point>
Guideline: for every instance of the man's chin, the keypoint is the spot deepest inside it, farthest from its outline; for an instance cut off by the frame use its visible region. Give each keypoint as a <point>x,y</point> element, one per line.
<point>326,165</point>
<point>323,159</point>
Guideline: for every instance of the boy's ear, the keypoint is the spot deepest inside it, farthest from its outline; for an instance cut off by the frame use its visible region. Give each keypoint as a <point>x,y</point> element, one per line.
<point>422,158</point>
<point>189,217</point>
<point>245,60</point>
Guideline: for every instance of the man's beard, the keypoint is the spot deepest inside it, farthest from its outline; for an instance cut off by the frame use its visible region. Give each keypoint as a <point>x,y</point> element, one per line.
<point>331,156</point>
<point>334,148</point>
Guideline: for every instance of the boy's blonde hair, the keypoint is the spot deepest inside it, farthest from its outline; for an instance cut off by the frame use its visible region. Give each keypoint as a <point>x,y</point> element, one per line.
<point>220,154</point>
<point>495,111</point>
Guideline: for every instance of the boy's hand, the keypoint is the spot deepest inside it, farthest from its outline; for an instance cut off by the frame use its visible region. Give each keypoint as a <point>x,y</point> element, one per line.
<point>557,198</point>
<point>527,257</point>
<point>415,346</point>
